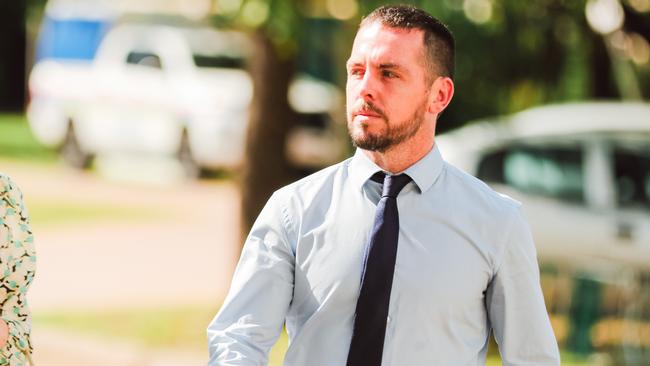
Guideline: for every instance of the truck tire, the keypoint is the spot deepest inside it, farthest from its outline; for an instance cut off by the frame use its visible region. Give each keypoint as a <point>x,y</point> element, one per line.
<point>72,153</point>
<point>184,155</point>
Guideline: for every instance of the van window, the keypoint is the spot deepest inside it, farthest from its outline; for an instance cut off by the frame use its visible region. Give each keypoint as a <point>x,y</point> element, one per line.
<point>632,174</point>
<point>490,169</point>
<point>546,171</point>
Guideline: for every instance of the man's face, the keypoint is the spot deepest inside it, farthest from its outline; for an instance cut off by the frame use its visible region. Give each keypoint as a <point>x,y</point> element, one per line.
<point>386,93</point>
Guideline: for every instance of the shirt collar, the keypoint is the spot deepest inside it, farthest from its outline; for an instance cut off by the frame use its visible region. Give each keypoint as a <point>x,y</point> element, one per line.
<point>424,172</point>
<point>361,169</point>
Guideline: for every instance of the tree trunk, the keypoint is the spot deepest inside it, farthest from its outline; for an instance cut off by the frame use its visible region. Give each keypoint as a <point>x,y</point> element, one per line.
<point>602,80</point>
<point>12,48</point>
<point>266,168</point>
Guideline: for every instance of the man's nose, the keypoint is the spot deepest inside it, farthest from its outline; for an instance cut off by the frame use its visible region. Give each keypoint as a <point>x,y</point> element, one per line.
<point>368,86</point>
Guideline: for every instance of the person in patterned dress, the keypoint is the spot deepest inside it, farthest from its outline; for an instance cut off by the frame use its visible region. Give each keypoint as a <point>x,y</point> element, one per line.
<point>17,265</point>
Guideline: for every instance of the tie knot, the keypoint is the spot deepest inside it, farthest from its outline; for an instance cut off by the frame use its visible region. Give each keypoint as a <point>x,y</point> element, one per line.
<point>392,184</point>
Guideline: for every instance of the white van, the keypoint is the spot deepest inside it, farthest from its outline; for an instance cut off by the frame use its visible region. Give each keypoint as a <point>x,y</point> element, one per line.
<point>582,171</point>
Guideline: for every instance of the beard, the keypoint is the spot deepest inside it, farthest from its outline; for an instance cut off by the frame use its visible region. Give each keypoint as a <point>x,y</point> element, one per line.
<point>393,134</point>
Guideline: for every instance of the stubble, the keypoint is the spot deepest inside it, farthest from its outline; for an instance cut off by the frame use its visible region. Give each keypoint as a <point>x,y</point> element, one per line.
<point>392,135</point>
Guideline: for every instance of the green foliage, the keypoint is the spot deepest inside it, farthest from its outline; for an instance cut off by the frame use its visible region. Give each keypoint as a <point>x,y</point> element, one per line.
<point>512,55</point>
<point>522,54</point>
<point>280,20</point>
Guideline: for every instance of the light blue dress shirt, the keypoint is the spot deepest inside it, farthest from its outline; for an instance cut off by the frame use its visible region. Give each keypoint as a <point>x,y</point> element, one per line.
<point>466,265</point>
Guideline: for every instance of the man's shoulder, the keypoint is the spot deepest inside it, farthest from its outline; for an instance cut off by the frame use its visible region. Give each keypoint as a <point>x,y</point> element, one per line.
<point>320,181</point>
<point>491,214</point>
<point>481,195</point>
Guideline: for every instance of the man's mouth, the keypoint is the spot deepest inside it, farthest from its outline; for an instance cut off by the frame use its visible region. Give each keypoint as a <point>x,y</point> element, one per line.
<point>366,114</point>
<point>368,110</point>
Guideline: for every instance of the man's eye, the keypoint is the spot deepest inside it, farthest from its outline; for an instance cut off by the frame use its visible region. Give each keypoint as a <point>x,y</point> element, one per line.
<point>356,72</point>
<point>388,74</point>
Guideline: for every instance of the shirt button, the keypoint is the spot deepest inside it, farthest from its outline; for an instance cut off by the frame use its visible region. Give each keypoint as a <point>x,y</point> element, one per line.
<point>388,319</point>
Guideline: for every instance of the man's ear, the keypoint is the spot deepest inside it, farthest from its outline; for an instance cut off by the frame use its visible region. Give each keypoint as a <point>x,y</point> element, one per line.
<point>442,91</point>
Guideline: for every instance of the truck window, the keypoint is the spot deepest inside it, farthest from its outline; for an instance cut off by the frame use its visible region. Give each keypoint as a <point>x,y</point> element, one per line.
<point>144,59</point>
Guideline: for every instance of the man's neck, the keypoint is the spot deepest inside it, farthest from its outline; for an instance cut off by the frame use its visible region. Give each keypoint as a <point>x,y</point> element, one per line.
<point>398,158</point>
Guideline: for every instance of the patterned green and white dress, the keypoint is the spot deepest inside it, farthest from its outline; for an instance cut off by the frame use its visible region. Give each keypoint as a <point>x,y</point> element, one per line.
<point>17,265</point>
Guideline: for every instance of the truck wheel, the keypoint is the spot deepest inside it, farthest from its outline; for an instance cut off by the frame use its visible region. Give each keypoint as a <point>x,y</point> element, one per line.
<point>72,153</point>
<point>184,155</point>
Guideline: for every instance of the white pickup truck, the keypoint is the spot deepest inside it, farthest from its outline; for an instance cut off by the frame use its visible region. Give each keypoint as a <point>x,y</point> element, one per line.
<point>155,89</point>
<point>150,89</point>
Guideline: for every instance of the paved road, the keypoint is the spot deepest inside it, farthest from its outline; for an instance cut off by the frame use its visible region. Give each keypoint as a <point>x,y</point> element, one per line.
<point>179,248</point>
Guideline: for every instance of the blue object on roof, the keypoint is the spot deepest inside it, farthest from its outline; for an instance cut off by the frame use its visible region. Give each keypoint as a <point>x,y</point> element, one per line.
<point>70,39</point>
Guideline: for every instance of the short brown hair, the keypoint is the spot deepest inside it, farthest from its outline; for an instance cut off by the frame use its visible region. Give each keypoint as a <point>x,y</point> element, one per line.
<point>438,40</point>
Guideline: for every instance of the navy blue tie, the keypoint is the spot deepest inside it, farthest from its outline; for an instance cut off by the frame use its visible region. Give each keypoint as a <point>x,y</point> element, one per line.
<point>367,345</point>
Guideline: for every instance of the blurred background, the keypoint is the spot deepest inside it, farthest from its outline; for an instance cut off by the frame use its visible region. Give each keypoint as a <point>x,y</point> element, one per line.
<point>147,135</point>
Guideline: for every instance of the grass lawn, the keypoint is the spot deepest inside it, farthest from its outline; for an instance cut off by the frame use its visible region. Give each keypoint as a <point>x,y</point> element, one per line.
<point>18,143</point>
<point>182,328</point>
<point>59,213</point>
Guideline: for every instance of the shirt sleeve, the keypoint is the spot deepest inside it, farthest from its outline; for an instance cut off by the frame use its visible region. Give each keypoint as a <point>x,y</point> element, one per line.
<point>253,314</point>
<point>515,303</point>
<point>17,266</point>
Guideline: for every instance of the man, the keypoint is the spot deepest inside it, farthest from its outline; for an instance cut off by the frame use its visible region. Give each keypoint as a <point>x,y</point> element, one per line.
<point>354,284</point>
